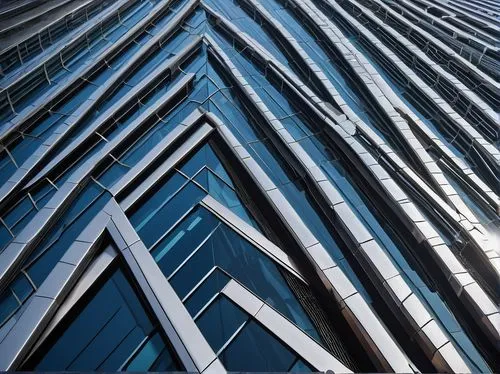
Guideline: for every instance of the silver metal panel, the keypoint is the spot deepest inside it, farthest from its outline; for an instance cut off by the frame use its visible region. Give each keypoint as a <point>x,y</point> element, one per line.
<point>418,179</point>
<point>242,297</point>
<point>301,232</point>
<point>9,257</point>
<point>453,359</point>
<point>37,224</point>
<point>379,259</point>
<point>353,224</point>
<point>17,340</point>
<point>342,284</point>
<point>321,257</point>
<point>128,98</point>
<point>399,288</point>
<point>148,159</point>
<point>56,281</point>
<point>416,310</point>
<point>215,367</point>
<point>382,341</point>
<point>291,217</point>
<point>434,333</point>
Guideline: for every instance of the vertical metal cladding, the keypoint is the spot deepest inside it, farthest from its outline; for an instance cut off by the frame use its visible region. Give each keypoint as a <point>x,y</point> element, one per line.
<point>273,185</point>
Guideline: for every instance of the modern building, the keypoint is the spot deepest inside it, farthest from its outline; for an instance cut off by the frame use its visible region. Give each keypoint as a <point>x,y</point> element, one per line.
<point>250,185</point>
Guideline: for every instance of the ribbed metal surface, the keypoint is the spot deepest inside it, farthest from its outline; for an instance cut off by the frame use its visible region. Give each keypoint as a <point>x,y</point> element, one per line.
<point>360,135</point>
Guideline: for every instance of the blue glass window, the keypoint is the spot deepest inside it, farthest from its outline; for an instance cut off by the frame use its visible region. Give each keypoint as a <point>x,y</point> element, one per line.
<point>166,215</point>
<point>201,243</point>
<point>27,142</point>
<point>108,330</point>
<point>149,208</point>
<point>8,305</point>
<point>220,321</point>
<point>242,344</point>
<point>203,294</point>
<point>47,253</point>
<point>172,199</point>
<point>206,157</point>
<point>255,349</point>
<point>5,237</point>
<point>194,230</point>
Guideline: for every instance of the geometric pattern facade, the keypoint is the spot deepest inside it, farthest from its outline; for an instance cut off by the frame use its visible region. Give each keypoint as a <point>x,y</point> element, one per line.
<point>250,185</point>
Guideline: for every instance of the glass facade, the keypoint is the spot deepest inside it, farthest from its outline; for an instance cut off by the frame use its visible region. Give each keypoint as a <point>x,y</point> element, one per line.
<point>242,344</point>
<point>250,185</point>
<point>111,332</point>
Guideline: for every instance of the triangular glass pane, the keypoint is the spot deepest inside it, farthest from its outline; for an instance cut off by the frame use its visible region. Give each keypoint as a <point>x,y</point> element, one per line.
<point>109,329</point>
<point>206,157</point>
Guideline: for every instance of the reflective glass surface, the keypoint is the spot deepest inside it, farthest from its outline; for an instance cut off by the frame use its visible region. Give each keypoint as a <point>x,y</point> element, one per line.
<point>108,331</point>
<point>201,243</point>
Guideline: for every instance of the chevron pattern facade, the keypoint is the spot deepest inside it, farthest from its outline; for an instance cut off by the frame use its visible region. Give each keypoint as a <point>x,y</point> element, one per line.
<point>252,185</point>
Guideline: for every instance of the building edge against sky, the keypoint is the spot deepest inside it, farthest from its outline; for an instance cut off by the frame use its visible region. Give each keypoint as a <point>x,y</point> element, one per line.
<point>250,185</point>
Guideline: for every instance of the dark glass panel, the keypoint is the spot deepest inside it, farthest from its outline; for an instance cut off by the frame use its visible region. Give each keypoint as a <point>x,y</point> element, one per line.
<point>148,354</point>
<point>206,157</point>
<point>186,237</point>
<point>206,291</point>
<point>149,208</point>
<point>102,336</point>
<point>18,212</point>
<point>5,237</point>
<point>301,366</point>
<point>8,304</point>
<point>220,321</point>
<point>194,270</point>
<point>64,236</point>
<point>128,344</point>
<point>111,331</point>
<point>21,287</point>
<point>255,349</point>
<point>221,191</point>
<point>165,362</point>
<point>167,215</point>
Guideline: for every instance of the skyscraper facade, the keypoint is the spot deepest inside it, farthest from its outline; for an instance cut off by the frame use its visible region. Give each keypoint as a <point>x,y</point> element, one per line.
<point>250,185</point>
